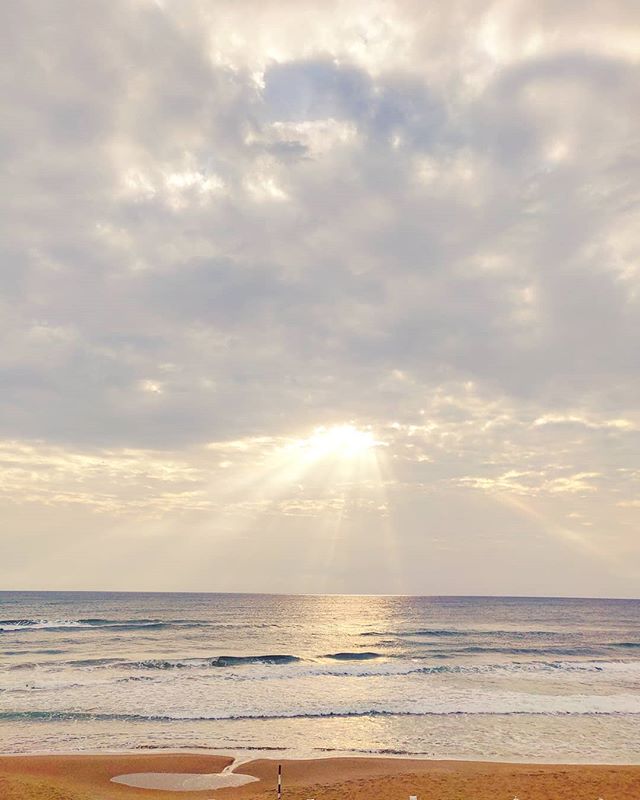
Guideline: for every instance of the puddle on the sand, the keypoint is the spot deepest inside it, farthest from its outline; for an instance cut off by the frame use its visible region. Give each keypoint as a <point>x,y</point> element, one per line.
<point>182,781</point>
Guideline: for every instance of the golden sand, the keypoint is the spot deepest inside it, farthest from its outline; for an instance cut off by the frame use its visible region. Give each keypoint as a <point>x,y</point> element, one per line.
<point>85,777</point>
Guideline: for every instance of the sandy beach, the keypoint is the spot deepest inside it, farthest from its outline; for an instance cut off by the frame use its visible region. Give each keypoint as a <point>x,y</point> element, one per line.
<point>88,777</point>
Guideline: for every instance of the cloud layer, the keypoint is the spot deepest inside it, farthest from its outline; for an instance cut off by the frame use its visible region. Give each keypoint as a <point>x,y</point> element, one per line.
<point>236,222</point>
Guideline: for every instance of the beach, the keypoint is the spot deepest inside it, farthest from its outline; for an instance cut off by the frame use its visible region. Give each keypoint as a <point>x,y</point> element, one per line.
<point>88,777</point>
<point>371,698</point>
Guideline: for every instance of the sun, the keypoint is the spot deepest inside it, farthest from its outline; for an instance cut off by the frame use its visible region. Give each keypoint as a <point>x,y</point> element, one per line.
<point>338,441</point>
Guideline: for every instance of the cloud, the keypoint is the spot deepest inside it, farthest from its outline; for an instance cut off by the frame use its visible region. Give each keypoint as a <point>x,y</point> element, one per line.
<point>217,229</point>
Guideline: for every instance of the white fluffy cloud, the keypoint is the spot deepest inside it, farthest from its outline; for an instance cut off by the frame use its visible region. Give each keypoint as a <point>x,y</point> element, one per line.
<point>237,222</point>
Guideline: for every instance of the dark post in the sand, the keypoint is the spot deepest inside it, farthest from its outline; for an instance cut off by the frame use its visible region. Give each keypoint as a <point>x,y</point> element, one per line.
<point>279,781</point>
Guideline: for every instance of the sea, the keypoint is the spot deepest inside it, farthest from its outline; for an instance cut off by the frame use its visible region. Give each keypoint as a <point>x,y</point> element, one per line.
<point>508,679</point>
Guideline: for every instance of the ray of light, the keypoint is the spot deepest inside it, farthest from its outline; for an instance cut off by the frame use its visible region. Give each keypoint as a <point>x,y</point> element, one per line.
<point>332,475</point>
<point>556,530</point>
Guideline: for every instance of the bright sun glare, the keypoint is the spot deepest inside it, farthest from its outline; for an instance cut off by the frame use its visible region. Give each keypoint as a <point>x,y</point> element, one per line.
<point>343,441</point>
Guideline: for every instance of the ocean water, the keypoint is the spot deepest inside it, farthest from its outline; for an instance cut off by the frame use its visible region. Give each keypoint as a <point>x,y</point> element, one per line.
<point>440,677</point>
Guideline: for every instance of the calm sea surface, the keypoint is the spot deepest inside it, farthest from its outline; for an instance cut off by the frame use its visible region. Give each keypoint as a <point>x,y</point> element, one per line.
<point>507,678</point>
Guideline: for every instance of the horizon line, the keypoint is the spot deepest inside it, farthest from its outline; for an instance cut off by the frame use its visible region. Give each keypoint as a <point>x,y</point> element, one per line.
<point>322,594</point>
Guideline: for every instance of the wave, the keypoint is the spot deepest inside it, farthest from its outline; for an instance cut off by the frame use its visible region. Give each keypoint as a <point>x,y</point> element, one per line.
<point>215,661</point>
<point>380,751</point>
<point>88,716</point>
<point>422,632</point>
<point>20,625</point>
<point>353,656</point>
<point>235,661</point>
<point>166,663</point>
<point>16,625</point>
<point>397,668</point>
<point>284,667</point>
<point>48,651</point>
<point>93,662</point>
<point>351,665</point>
<point>467,632</point>
<point>530,651</point>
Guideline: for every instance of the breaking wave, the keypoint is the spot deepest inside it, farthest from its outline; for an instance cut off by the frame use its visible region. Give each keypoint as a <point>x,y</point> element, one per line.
<point>215,661</point>
<point>80,716</point>
<point>18,625</point>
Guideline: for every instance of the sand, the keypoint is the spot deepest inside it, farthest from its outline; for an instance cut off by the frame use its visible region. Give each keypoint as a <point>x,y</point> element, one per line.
<point>88,777</point>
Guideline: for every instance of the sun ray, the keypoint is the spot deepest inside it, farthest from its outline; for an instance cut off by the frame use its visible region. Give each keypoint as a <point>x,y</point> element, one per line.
<point>331,477</point>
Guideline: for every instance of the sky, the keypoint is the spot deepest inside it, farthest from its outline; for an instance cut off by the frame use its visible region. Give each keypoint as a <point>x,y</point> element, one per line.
<point>321,296</point>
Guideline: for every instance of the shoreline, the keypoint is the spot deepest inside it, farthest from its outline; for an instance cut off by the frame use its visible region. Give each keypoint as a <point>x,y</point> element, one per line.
<point>245,755</point>
<point>89,777</point>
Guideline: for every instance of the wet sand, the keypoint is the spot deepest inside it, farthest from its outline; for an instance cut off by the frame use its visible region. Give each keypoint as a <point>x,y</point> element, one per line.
<point>88,777</point>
